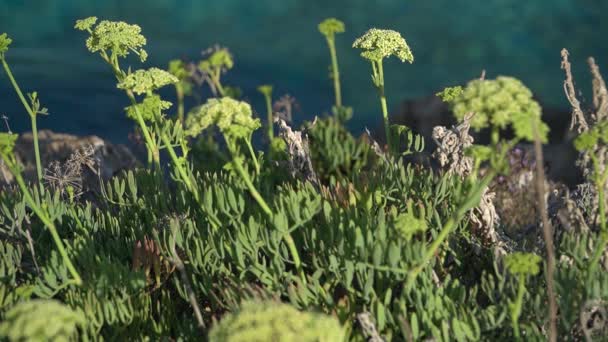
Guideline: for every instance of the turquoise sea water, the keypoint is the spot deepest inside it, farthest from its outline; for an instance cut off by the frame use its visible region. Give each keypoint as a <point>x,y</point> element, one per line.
<point>276,41</point>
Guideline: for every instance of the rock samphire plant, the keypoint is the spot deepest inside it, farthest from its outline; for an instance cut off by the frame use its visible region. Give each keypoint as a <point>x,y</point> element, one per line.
<point>329,28</point>
<point>327,238</point>
<point>375,46</point>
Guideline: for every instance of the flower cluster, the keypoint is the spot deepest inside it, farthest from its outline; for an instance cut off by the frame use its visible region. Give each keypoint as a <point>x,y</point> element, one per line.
<point>378,44</point>
<point>499,103</point>
<point>150,108</point>
<point>265,89</point>
<point>5,42</point>
<point>85,24</point>
<point>523,263</point>
<point>145,81</point>
<point>408,225</point>
<point>271,321</point>
<point>219,58</point>
<point>41,320</point>
<point>117,36</point>
<point>589,139</point>
<point>7,142</point>
<point>233,118</point>
<point>330,26</point>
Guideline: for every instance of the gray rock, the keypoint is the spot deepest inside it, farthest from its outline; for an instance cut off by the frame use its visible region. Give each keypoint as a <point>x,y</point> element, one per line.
<point>104,158</point>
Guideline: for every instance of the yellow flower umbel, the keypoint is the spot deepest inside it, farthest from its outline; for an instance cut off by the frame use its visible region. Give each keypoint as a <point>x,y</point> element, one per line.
<point>270,321</point>
<point>233,118</point>
<point>497,104</point>
<point>146,81</point>
<point>376,45</point>
<point>119,37</point>
<point>41,320</point>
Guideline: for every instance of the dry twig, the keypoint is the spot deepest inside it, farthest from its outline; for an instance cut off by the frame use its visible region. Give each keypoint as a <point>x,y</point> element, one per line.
<point>578,117</point>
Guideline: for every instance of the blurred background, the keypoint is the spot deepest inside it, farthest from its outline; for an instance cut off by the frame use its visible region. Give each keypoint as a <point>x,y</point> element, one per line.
<point>277,42</point>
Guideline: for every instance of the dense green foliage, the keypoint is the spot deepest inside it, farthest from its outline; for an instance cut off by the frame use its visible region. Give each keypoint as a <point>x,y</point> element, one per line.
<point>356,242</point>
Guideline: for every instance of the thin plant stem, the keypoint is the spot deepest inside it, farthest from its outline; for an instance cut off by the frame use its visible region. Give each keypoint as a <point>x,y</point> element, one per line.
<point>447,228</point>
<point>262,203</point>
<point>516,308</point>
<point>254,192</point>
<point>215,77</point>
<point>151,146</point>
<point>180,168</point>
<point>253,157</point>
<point>29,110</point>
<point>335,71</point>
<point>379,72</point>
<point>77,280</point>
<point>547,232</point>
<point>180,102</point>
<point>269,122</point>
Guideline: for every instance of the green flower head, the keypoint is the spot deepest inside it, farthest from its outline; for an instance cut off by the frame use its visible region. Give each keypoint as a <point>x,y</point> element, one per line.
<point>41,320</point>
<point>177,68</point>
<point>408,225</point>
<point>220,58</point>
<point>117,36</point>
<point>502,102</point>
<point>379,44</point>
<point>145,81</point>
<point>330,26</point>
<point>523,263</point>
<point>257,321</point>
<point>450,93</point>
<point>150,108</point>
<point>5,42</point>
<point>85,24</point>
<point>265,89</point>
<point>588,140</point>
<point>233,118</point>
<point>7,143</point>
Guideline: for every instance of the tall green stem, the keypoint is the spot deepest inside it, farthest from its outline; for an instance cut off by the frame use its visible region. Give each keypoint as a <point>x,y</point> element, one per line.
<point>215,77</point>
<point>516,308</point>
<point>153,152</point>
<point>45,220</point>
<point>379,81</point>
<point>262,203</point>
<point>472,200</point>
<point>29,110</point>
<point>253,157</point>
<point>335,71</point>
<point>180,102</point>
<point>180,168</point>
<point>269,121</point>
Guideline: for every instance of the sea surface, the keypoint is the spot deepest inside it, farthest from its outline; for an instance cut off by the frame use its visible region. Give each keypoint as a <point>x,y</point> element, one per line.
<point>277,42</point>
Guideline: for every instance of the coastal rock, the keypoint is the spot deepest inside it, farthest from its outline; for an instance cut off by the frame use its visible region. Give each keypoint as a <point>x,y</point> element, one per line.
<point>107,159</point>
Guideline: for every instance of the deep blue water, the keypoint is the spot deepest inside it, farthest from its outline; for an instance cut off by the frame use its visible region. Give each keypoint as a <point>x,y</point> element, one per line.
<point>276,41</point>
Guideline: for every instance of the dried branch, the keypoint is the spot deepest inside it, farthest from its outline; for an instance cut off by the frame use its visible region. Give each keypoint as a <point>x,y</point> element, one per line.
<point>578,118</point>
<point>600,94</point>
